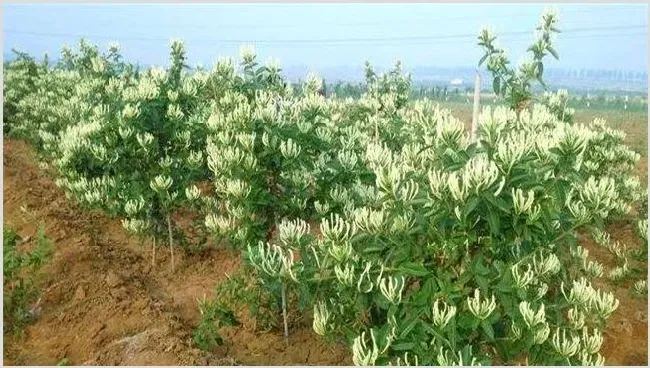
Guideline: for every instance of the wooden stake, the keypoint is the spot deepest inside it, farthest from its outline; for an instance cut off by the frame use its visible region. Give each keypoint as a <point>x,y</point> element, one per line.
<point>153,254</point>
<point>284,312</point>
<point>171,242</point>
<point>477,105</point>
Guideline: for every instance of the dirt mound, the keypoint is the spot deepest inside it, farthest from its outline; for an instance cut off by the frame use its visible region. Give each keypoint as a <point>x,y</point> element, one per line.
<point>103,303</point>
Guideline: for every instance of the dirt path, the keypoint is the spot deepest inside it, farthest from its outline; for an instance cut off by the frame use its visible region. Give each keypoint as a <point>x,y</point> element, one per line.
<point>102,302</point>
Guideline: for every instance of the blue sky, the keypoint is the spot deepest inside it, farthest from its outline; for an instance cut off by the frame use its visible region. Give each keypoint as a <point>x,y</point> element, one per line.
<point>597,36</point>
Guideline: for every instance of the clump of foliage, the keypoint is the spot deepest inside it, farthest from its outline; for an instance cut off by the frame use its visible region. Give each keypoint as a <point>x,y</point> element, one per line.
<point>20,289</point>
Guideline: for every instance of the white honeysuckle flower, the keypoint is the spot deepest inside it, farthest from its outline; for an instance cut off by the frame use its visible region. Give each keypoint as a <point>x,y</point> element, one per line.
<point>114,46</point>
<point>321,318</point>
<point>481,309</point>
<point>192,193</point>
<point>247,141</point>
<point>591,343</point>
<point>345,275</point>
<point>601,237</point>
<point>549,264</point>
<point>362,355</point>
<point>437,183</point>
<point>166,162</point>
<point>313,83</point>
<point>443,359</point>
<point>235,188</point>
<point>640,287</point>
<point>442,315</point>
<point>576,318</point>
<point>131,111</point>
<point>272,64</point>
<point>157,74</point>
<point>368,220</point>
<point>172,96</point>
<point>617,249</point>
<point>189,85</point>
<point>292,232</point>
<point>587,359</point>
<point>174,112</point>
<point>541,334</point>
<point>145,140</point>
<point>408,191</point>
<point>605,303</point>
<point>247,53</point>
<point>290,149</point>
<point>389,180</point>
<point>522,203</point>
<point>336,230</point>
<point>457,188</point>
<point>134,206</point>
<point>98,65</point>
<point>580,253</point>
<point>405,361</point>
<point>272,260</point>
<point>619,273</point>
<point>403,223</point>
<point>542,289</point>
<point>581,292</point>
<point>365,278</point>
<point>480,173</point>
<point>391,288</point>
<point>642,228</point>
<point>161,183</point>
<point>195,159</point>
<point>339,194</point>
<point>218,225</point>
<point>516,332</point>
<point>531,317</point>
<point>522,280</point>
<point>340,251</point>
<point>347,159</point>
<point>125,132</point>
<point>565,347</point>
<point>322,208</point>
<point>135,226</point>
<point>593,268</point>
<point>599,194</point>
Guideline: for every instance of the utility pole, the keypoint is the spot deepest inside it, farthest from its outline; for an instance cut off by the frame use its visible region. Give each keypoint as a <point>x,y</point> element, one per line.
<point>477,105</point>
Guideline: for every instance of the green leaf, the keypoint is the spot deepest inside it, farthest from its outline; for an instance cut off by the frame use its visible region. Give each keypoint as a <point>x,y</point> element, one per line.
<point>480,62</point>
<point>494,223</point>
<point>487,328</point>
<point>553,52</point>
<point>413,269</point>
<point>496,85</point>
<point>403,346</point>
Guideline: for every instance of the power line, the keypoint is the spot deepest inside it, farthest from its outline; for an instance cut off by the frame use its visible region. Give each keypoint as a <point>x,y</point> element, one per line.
<point>323,42</point>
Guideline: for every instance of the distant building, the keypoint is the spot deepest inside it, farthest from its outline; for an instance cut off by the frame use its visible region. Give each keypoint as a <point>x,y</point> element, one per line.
<point>456,82</point>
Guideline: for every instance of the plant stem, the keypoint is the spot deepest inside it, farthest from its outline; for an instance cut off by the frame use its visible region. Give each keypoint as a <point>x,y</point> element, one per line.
<point>284,311</point>
<point>171,240</point>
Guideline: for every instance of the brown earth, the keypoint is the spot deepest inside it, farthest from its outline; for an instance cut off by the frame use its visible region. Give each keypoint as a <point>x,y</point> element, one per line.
<point>102,302</point>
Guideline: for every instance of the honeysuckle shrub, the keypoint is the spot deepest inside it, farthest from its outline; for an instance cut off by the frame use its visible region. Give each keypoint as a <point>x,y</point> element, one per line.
<point>20,76</point>
<point>466,262</point>
<point>514,84</point>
